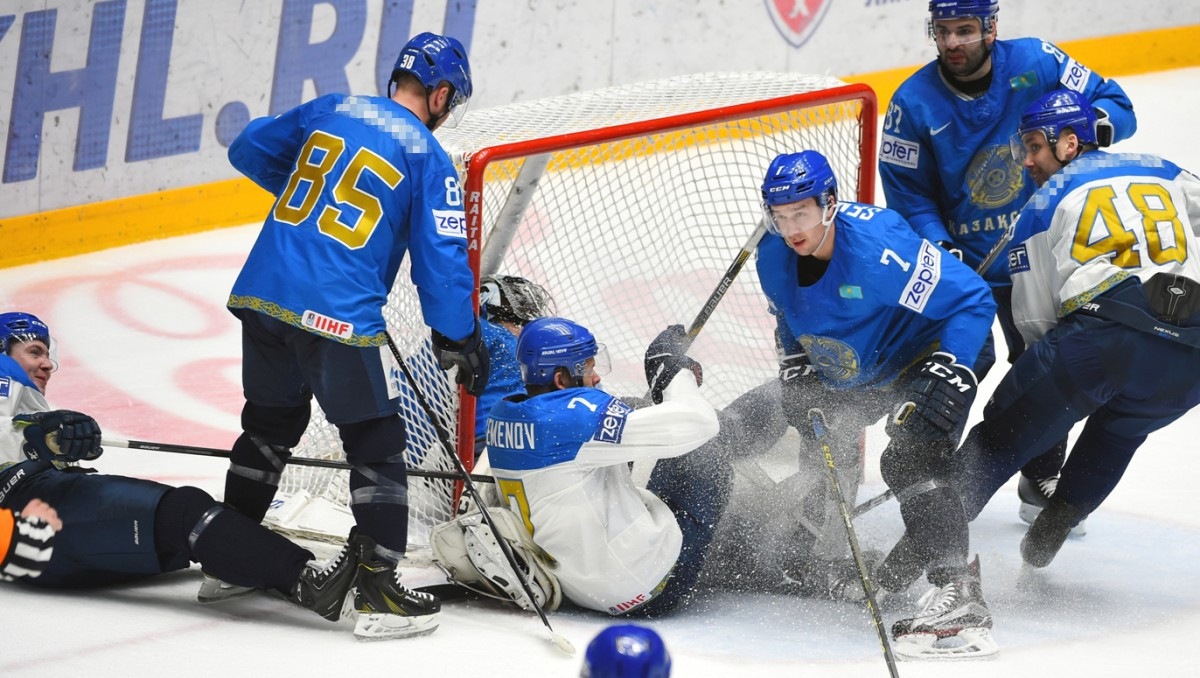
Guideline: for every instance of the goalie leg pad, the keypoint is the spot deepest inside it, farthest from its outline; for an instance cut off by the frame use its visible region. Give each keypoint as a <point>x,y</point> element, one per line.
<point>468,553</point>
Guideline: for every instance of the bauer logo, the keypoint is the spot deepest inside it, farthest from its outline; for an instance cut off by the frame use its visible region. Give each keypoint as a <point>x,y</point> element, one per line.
<point>451,223</point>
<point>925,277</point>
<point>1018,260</point>
<point>612,423</point>
<point>1075,75</point>
<point>797,20</point>
<point>326,325</point>
<point>896,151</point>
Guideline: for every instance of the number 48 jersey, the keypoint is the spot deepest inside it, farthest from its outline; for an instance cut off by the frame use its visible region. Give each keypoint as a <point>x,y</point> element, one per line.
<point>1101,219</point>
<point>358,181</point>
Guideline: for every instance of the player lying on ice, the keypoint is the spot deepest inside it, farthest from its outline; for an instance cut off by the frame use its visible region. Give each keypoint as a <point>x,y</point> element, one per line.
<point>117,529</point>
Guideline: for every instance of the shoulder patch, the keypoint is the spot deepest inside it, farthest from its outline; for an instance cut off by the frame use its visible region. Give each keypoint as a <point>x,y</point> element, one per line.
<point>1018,260</point>
<point>611,426</point>
<point>451,223</point>
<point>5,386</point>
<point>1024,80</point>
<point>925,277</point>
<point>1075,75</point>
<point>897,151</point>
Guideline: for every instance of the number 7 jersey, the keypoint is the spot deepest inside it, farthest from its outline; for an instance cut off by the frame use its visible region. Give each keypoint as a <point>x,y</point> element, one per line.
<point>1099,220</point>
<point>359,181</point>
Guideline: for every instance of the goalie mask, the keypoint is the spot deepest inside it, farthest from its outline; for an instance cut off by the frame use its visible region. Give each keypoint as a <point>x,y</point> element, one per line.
<point>511,299</point>
<point>1051,114</point>
<point>435,59</point>
<point>626,651</point>
<point>546,344</point>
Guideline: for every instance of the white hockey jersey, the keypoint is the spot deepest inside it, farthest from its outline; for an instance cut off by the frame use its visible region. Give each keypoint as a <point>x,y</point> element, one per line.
<point>561,461</point>
<point>1098,221</point>
<point>18,395</point>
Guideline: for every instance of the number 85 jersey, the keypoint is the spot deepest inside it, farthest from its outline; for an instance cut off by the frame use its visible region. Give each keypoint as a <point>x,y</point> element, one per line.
<point>358,181</point>
<point>1099,220</point>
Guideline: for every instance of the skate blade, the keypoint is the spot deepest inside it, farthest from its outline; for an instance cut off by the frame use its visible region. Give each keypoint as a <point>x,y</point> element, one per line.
<point>1029,513</point>
<point>972,643</point>
<point>208,595</point>
<point>380,626</point>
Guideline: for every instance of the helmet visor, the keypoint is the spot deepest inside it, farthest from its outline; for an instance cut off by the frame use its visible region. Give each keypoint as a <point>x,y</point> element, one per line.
<point>945,35</point>
<point>458,109</point>
<point>1022,144</point>
<point>600,364</point>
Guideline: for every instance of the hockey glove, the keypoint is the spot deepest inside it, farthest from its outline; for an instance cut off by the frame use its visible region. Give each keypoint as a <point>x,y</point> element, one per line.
<point>665,358</point>
<point>801,390</point>
<point>59,435</point>
<point>939,400</point>
<point>1104,129</point>
<point>29,547</point>
<point>469,356</point>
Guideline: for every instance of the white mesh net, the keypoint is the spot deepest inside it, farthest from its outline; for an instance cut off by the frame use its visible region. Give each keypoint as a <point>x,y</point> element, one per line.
<point>628,235</point>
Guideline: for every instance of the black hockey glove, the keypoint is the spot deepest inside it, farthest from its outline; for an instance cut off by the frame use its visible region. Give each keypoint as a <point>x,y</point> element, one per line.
<point>951,247</point>
<point>469,356</point>
<point>665,358</point>
<point>939,400</point>
<point>59,435</point>
<point>802,390</point>
<point>29,550</point>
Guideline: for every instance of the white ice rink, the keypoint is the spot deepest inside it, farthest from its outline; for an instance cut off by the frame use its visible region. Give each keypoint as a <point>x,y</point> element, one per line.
<point>148,349</point>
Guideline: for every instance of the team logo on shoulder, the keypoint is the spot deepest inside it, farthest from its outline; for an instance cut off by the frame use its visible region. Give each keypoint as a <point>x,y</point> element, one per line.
<point>925,277</point>
<point>612,423</point>
<point>833,359</point>
<point>896,151</point>
<point>5,385</point>
<point>326,325</point>
<point>451,223</point>
<point>797,20</point>
<point>994,177</point>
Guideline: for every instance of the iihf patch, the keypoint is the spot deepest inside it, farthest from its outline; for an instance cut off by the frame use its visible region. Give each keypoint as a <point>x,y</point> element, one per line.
<point>850,292</point>
<point>1018,260</point>
<point>5,383</point>
<point>611,426</point>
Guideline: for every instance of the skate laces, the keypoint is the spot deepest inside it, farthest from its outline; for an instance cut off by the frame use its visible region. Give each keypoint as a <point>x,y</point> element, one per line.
<point>1048,486</point>
<point>938,601</point>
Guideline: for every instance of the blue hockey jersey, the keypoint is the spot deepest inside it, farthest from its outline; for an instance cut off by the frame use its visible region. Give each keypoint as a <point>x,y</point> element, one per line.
<point>505,378</point>
<point>944,160</point>
<point>887,298</point>
<point>358,181</point>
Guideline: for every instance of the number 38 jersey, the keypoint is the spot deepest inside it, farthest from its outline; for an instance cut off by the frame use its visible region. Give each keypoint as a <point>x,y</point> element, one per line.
<point>1098,221</point>
<point>358,182</point>
<point>561,460</point>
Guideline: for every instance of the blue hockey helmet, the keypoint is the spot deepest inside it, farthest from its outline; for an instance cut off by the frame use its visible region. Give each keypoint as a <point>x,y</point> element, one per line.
<point>984,10</point>
<point>435,59</point>
<point>546,344</point>
<point>16,327</point>
<point>793,177</point>
<point>626,651</point>
<point>1051,114</point>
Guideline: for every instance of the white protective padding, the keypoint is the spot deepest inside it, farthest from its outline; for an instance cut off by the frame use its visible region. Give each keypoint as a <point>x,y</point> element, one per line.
<point>466,550</point>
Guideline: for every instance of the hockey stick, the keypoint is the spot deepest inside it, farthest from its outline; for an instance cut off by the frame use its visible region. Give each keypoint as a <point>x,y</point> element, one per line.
<point>299,461</point>
<point>821,433</point>
<point>558,639</point>
<point>723,285</point>
<point>872,503</point>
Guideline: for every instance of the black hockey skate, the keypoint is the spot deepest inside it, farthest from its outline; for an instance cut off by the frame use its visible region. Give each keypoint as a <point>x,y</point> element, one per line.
<point>386,608</point>
<point>323,587</point>
<point>1048,532</point>
<point>954,622</point>
<point>1035,495</point>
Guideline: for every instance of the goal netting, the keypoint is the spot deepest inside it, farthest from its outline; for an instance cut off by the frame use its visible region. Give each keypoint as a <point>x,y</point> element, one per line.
<point>627,204</point>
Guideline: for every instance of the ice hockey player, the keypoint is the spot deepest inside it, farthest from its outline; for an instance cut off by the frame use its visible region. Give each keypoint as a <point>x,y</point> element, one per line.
<point>122,529</point>
<point>945,165</point>
<point>1106,294</point>
<point>506,304</point>
<point>359,182</point>
<point>873,320</point>
<point>626,651</point>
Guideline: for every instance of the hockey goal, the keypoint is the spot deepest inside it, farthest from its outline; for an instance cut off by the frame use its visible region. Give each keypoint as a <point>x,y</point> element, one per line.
<point>627,204</point>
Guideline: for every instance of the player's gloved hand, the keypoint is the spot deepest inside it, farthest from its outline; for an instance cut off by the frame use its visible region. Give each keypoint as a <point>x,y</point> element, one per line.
<point>802,390</point>
<point>31,545</point>
<point>59,435</point>
<point>951,247</point>
<point>939,400</point>
<point>665,358</point>
<point>1104,128</point>
<point>470,356</point>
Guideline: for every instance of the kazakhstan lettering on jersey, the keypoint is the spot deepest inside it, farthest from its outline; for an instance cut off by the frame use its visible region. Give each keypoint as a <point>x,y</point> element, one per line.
<point>359,182</point>
<point>908,299</point>
<point>1099,220</point>
<point>972,199</point>
<point>524,434</point>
